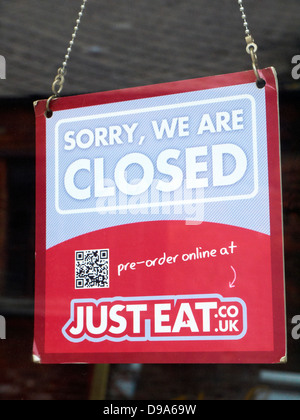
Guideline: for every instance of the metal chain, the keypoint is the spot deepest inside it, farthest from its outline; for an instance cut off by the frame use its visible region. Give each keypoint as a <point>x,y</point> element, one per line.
<point>59,80</point>
<point>244,17</point>
<point>251,46</point>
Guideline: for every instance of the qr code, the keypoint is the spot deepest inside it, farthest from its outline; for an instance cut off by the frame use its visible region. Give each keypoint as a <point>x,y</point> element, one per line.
<point>92,269</point>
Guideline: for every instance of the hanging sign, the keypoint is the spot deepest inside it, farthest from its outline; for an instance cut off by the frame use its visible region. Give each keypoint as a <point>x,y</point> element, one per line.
<point>159,225</point>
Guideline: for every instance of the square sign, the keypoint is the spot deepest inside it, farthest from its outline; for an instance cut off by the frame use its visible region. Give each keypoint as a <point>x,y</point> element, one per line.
<point>159,225</point>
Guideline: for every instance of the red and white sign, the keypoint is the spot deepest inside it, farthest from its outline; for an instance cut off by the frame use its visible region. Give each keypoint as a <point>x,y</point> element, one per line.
<point>159,225</point>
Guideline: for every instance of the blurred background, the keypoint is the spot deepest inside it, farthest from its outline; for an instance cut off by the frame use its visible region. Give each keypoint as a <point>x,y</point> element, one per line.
<point>120,44</point>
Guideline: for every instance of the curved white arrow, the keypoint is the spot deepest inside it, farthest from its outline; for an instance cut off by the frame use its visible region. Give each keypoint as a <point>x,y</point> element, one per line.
<point>232,284</point>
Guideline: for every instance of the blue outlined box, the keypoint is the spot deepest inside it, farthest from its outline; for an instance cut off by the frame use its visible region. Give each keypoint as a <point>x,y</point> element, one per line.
<point>246,139</point>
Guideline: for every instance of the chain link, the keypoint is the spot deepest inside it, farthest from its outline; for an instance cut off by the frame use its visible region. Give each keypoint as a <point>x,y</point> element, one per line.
<point>244,17</point>
<point>59,80</point>
<point>251,47</point>
<point>76,28</point>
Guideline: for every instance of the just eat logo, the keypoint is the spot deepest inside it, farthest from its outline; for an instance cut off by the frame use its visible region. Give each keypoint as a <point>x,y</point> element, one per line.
<point>157,318</point>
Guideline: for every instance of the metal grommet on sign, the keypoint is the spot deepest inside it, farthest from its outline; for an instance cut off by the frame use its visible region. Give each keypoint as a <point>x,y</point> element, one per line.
<point>49,112</point>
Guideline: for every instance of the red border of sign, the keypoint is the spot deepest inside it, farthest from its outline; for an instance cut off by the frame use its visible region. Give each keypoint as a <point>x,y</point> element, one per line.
<point>280,350</point>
